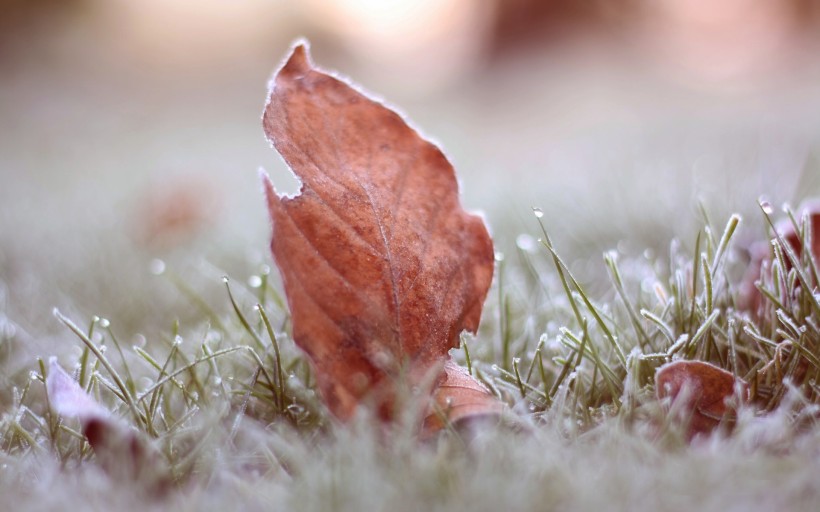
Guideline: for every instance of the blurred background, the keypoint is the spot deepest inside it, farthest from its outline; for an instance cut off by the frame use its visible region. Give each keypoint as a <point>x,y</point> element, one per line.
<point>130,132</point>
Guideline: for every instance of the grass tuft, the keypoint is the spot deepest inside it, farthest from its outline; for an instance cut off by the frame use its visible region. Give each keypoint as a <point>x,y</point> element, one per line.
<point>230,403</point>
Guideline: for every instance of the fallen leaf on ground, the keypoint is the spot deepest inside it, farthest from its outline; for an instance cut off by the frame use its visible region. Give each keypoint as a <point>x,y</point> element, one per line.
<point>381,266</point>
<point>459,398</point>
<point>120,450</point>
<point>750,298</point>
<point>174,212</point>
<point>700,390</point>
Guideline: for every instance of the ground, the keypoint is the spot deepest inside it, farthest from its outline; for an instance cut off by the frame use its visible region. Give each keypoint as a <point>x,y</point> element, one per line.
<point>126,200</point>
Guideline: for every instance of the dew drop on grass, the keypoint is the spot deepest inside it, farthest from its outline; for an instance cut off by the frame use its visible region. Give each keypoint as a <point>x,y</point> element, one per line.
<point>225,279</point>
<point>104,323</point>
<point>767,207</point>
<point>538,212</point>
<point>499,256</point>
<point>33,375</point>
<point>264,270</point>
<point>178,340</point>
<point>296,409</point>
<point>156,267</point>
<point>254,281</point>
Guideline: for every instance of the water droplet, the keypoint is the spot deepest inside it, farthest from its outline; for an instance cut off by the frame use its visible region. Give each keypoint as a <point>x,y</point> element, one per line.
<point>494,367</point>
<point>254,281</point>
<point>95,319</point>
<point>296,409</point>
<point>538,212</point>
<point>225,279</point>
<point>767,207</point>
<point>257,307</point>
<point>103,349</point>
<point>264,270</point>
<point>178,340</point>
<point>104,323</point>
<point>499,256</point>
<point>33,375</point>
<point>156,267</point>
<point>140,341</point>
<point>525,242</point>
<point>516,361</point>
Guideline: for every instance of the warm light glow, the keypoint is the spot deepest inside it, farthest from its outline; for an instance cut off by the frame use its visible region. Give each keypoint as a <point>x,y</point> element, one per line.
<point>424,41</point>
<point>720,40</point>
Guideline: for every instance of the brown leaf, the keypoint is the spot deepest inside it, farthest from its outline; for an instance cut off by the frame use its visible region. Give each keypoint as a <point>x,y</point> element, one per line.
<point>702,390</point>
<point>459,398</point>
<point>786,229</point>
<point>121,451</point>
<point>70,400</point>
<point>381,266</point>
<point>750,298</point>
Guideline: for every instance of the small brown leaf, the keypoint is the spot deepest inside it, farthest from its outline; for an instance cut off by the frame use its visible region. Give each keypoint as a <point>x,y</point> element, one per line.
<point>121,451</point>
<point>812,210</point>
<point>69,399</point>
<point>703,389</point>
<point>458,398</point>
<point>381,266</point>
<point>750,298</point>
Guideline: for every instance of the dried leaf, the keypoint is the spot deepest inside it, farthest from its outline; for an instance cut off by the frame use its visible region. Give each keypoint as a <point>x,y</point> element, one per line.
<point>786,229</point>
<point>701,390</point>
<point>459,398</point>
<point>69,399</point>
<point>381,266</point>
<point>750,298</point>
<point>121,451</point>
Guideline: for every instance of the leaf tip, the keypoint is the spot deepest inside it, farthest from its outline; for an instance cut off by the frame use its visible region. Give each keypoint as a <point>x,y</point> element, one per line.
<point>268,189</point>
<point>298,63</point>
